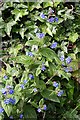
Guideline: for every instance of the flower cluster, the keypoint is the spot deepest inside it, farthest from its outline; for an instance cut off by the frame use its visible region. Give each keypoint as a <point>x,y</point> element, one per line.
<point>10,101</point>
<point>51,19</point>
<point>7,90</point>
<point>54,45</point>
<point>68,59</point>
<point>60,93</point>
<point>31,76</point>
<point>55,84</point>
<point>42,15</point>
<point>43,108</point>
<point>68,69</point>
<point>40,35</point>
<point>29,54</point>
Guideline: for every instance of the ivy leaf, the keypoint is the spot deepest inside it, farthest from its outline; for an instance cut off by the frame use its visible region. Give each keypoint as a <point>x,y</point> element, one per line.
<point>8,27</point>
<point>47,4</point>
<point>19,13</point>
<point>73,37</point>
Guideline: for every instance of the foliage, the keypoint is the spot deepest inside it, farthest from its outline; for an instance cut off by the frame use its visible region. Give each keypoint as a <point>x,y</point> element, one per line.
<point>40,53</point>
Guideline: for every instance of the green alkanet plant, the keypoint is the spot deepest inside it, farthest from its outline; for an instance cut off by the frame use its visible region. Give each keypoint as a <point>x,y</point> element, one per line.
<point>39,76</point>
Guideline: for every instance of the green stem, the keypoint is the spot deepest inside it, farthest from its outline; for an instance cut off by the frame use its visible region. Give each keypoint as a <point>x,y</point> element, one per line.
<point>75,108</point>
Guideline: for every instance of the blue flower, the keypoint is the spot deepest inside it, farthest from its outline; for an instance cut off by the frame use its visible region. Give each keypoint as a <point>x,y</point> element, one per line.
<point>68,69</point>
<point>31,76</point>
<point>44,107</point>
<point>22,86</point>
<point>35,90</point>
<point>55,84</point>
<point>25,81</point>
<point>1,110</point>
<point>5,77</point>
<point>42,15</point>
<point>54,45</point>
<point>60,93</point>
<point>7,101</point>
<point>21,116</point>
<point>11,117</point>
<point>56,19</point>
<point>39,110</point>
<point>4,91</point>
<point>12,101</point>
<point>43,68</point>
<point>11,91</point>
<point>29,54</point>
<point>62,58</point>
<point>40,35</point>
<point>51,20</point>
<point>68,59</point>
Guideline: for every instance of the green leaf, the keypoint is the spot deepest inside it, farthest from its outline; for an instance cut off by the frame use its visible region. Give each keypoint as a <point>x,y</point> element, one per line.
<point>73,37</point>
<point>32,42</point>
<point>27,60</point>
<point>38,71</point>
<point>52,69</point>
<point>14,50</point>
<point>19,13</point>
<point>29,112</point>
<point>34,104</point>
<point>8,27</point>
<point>50,54</point>
<point>22,31</point>
<point>49,31</point>
<point>7,108</point>
<point>41,102</point>
<point>50,95</point>
<point>8,68</point>
<point>47,4</point>
<point>65,75</point>
<point>41,85</point>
